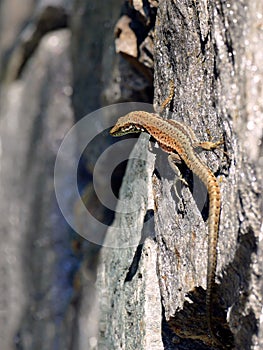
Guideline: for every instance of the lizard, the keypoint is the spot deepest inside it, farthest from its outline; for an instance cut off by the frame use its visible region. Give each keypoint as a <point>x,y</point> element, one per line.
<point>180,142</point>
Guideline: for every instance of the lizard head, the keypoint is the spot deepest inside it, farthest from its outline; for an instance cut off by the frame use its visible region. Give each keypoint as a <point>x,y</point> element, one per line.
<point>127,125</point>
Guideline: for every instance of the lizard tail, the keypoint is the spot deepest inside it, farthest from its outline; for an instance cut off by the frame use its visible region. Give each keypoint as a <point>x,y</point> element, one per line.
<point>213,225</point>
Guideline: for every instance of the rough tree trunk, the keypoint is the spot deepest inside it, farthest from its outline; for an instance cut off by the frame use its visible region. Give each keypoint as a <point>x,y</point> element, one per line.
<point>153,295</point>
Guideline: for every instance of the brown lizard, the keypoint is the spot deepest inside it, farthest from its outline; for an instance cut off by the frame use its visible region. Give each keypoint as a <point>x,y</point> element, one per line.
<point>180,142</point>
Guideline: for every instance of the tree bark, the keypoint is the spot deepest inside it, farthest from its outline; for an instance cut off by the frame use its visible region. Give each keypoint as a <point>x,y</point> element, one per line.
<point>211,51</point>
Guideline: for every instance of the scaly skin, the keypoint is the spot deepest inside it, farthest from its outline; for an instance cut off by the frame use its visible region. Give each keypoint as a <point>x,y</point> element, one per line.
<point>177,138</point>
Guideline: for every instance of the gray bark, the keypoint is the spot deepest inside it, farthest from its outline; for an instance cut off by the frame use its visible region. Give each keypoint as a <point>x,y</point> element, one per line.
<point>212,52</point>
<point>30,136</point>
<point>152,296</point>
<point>47,271</point>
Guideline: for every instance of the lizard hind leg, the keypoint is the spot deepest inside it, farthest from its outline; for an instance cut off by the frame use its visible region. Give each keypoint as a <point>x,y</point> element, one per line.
<point>207,145</point>
<point>210,146</point>
<point>174,159</point>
